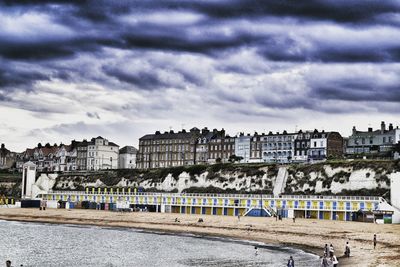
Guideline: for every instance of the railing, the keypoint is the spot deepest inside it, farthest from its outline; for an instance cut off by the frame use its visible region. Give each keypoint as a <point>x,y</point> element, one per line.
<point>236,196</point>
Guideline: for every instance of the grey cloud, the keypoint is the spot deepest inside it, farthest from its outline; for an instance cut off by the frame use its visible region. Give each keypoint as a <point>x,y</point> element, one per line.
<point>147,80</point>
<point>355,83</point>
<point>14,76</point>
<point>93,115</point>
<point>359,91</point>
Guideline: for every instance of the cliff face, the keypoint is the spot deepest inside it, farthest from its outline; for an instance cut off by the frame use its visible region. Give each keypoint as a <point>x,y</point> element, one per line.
<point>347,178</point>
<point>357,178</point>
<point>10,183</point>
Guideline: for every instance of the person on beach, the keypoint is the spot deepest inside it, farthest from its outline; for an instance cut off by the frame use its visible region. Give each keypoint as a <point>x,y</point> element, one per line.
<point>334,260</point>
<point>347,249</point>
<point>331,250</point>
<point>324,261</point>
<point>256,252</point>
<point>294,219</point>
<point>8,263</point>
<point>326,249</point>
<point>238,217</point>
<point>290,262</point>
<point>374,241</point>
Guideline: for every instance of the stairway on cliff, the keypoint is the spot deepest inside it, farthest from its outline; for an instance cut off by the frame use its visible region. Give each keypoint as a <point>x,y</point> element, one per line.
<point>280,181</point>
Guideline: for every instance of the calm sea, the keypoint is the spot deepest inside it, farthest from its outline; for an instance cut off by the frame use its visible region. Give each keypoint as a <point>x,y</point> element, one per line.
<point>34,244</point>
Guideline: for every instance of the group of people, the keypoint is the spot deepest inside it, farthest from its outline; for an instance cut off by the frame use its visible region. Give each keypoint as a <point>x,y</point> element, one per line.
<point>329,259</point>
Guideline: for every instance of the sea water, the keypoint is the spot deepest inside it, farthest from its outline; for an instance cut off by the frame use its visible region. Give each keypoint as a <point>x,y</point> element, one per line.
<point>37,244</point>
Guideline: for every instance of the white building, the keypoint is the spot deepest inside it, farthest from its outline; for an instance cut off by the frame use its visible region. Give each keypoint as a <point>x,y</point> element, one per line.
<point>318,148</point>
<point>278,147</point>
<point>65,159</point>
<point>102,154</point>
<point>28,179</point>
<point>127,157</point>
<point>242,147</point>
<point>378,142</point>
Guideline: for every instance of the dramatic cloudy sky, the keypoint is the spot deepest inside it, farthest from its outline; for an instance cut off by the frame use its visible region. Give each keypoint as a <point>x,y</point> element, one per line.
<point>120,69</point>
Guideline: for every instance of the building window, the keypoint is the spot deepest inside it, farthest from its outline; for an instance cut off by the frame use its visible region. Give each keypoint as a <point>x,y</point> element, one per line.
<point>315,144</point>
<point>384,139</point>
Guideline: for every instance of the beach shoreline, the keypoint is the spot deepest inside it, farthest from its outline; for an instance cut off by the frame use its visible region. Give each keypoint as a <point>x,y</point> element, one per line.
<point>306,234</point>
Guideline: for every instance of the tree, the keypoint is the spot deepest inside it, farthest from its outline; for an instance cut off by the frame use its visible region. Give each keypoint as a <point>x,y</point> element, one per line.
<point>47,145</point>
<point>218,160</point>
<point>234,158</point>
<point>39,145</point>
<point>396,147</point>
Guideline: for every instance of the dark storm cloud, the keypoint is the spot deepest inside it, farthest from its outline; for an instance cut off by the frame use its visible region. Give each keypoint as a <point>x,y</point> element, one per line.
<point>40,51</point>
<point>142,79</point>
<point>55,36</point>
<point>12,76</point>
<point>359,91</point>
<point>103,28</point>
<point>336,10</point>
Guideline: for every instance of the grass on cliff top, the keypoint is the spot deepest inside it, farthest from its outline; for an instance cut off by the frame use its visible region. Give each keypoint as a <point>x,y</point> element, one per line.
<point>9,177</point>
<point>379,166</point>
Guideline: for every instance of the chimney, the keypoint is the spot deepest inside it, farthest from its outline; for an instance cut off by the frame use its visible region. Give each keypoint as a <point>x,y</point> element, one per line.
<point>383,127</point>
<point>205,130</point>
<point>370,129</point>
<point>2,146</point>
<point>354,130</point>
<point>390,127</point>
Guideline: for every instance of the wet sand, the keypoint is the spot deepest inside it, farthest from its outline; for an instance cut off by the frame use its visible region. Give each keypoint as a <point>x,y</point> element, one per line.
<point>307,234</point>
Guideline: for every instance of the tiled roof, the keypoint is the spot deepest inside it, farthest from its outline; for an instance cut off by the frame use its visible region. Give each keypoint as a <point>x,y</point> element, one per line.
<point>29,152</point>
<point>168,135</point>
<point>128,150</point>
<point>112,144</point>
<point>49,150</point>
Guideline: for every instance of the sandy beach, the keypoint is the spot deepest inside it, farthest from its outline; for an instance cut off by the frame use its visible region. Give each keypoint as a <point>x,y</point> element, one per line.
<point>307,234</point>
